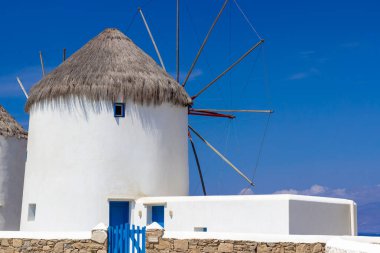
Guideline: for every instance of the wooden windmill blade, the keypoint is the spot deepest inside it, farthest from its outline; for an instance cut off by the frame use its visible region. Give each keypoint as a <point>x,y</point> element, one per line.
<point>249,51</point>
<point>229,68</point>
<point>152,38</point>
<point>222,156</point>
<point>209,112</point>
<point>177,43</point>
<point>22,87</point>
<point>216,112</point>
<point>198,164</point>
<point>204,43</point>
<point>64,55</point>
<point>235,110</point>
<point>42,64</point>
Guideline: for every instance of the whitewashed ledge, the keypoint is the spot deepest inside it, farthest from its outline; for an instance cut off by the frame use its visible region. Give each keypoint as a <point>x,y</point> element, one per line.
<point>98,233</point>
<point>351,244</point>
<point>86,235</point>
<point>268,238</point>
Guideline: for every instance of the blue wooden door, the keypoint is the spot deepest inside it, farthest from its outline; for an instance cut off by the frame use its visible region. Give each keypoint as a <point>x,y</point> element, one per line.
<point>119,213</point>
<point>158,215</point>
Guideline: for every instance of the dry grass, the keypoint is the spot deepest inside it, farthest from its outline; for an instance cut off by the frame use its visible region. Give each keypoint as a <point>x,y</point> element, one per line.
<point>109,67</point>
<point>9,127</point>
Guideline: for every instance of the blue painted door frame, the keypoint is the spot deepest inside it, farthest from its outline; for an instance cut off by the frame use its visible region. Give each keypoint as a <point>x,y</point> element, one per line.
<point>118,213</point>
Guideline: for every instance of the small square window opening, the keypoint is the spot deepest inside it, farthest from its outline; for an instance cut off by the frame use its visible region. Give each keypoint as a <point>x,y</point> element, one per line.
<point>119,110</point>
<point>32,212</point>
<point>200,229</point>
<point>156,214</point>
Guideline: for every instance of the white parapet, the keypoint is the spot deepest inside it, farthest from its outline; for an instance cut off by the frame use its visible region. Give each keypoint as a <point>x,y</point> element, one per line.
<point>353,245</point>
<point>254,214</point>
<point>97,234</point>
<point>43,235</point>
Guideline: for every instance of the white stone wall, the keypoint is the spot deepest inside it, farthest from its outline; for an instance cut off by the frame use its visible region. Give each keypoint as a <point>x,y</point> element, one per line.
<point>262,214</point>
<point>12,166</point>
<point>353,245</point>
<point>318,217</point>
<point>80,156</point>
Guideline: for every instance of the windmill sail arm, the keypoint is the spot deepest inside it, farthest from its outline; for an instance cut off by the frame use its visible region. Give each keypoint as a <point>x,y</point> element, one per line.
<point>22,87</point>
<point>222,156</point>
<point>42,64</point>
<point>209,113</point>
<point>177,43</point>
<point>198,164</point>
<point>204,43</point>
<point>229,68</point>
<point>234,110</point>
<point>152,39</point>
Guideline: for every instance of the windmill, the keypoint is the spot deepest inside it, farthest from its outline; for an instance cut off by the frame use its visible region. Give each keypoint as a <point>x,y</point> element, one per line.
<point>193,110</point>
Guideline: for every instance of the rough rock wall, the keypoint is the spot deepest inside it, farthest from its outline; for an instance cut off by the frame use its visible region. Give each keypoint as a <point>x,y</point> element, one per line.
<point>56,246</point>
<point>97,244</point>
<point>156,244</point>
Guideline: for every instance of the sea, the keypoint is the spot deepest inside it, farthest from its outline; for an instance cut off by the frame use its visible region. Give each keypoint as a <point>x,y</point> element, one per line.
<point>369,234</point>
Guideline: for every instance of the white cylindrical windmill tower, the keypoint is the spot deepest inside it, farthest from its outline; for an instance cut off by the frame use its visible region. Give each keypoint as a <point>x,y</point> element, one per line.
<point>106,124</point>
<point>13,141</point>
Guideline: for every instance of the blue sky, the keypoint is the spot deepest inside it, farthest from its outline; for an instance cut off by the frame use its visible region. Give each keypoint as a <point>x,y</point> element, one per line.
<point>320,62</point>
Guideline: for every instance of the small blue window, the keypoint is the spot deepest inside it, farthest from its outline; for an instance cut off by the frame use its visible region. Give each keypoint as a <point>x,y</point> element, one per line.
<point>119,110</point>
<point>200,229</point>
<point>158,214</point>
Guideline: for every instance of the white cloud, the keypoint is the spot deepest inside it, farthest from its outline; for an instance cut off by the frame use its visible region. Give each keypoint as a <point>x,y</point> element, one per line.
<point>246,191</point>
<point>299,76</point>
<point>287,191</point>
<point>313,190</point>
<point>339,192</point>
<point>182,74</point>
<point>361,195</point>
<point>194,74</point>
<point>317,189</point>
<point>303,75</point>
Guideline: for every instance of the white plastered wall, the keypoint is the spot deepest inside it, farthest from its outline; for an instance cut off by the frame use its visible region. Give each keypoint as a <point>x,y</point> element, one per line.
<point>80,156</point>
<point>225,214</point>
<point>320,218</point>
<point>261,214</point>
<point>12,166</point>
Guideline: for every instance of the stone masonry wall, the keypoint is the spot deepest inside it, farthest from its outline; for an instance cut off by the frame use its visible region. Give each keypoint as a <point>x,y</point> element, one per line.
<point>56,246</point>
<point>156,244</point>
<point>97,244</point>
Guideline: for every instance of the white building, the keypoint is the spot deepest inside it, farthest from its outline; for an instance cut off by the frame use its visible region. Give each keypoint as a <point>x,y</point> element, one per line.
<point>250,214</point>
<point>13,140</point>
<point>107,123</point>
<point>108,143</point>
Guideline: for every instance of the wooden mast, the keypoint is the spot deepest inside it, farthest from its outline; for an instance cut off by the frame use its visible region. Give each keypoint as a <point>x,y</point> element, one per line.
<point>204,43</point>
<point>177,43</point>
<point>152,39</point>
<point>42,64</point>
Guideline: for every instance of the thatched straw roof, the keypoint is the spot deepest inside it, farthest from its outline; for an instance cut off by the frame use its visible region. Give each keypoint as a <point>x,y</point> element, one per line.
<point>9,127</point>
<point>107,67</point>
